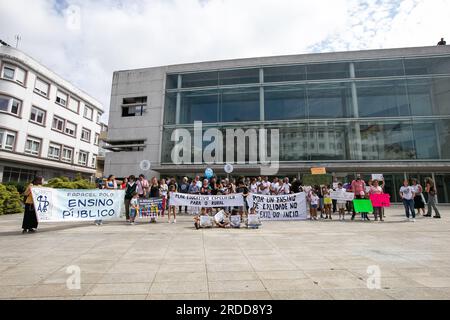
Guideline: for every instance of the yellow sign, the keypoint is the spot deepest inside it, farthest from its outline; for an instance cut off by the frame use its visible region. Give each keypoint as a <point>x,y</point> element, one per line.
<point>318,171</point>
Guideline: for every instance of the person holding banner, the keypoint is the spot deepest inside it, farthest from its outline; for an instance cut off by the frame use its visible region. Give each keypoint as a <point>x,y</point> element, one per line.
<point>264,187</point>
<point>376,189</point>
<point>129,192</point>
<point>30,221</point>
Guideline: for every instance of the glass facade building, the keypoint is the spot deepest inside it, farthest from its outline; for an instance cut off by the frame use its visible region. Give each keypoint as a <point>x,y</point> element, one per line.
<point>379,111</point>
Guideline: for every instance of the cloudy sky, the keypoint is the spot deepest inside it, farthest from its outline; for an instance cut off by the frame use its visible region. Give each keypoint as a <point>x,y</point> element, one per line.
<point>85,41</point>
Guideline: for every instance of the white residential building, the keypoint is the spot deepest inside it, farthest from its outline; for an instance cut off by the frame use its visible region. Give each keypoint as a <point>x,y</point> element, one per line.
<point>48,126</point>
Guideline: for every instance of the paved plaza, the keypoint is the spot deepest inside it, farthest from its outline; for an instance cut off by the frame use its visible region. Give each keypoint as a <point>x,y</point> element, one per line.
<point>282,260</point>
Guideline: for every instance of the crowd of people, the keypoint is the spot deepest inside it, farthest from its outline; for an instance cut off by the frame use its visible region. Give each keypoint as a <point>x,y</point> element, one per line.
<point>414,196</point>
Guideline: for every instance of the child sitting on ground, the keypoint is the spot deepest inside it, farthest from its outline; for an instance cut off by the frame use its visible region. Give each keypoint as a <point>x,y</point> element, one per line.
<point>197,219</point>
<point>236,218</point>
<point>253,221</point>
<point>221,219</point>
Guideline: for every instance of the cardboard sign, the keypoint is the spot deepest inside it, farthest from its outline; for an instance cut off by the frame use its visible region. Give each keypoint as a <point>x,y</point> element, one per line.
<point>235,221</point>
<point>342,195</point>
<point>318,171</point>
<point>205,221</point>
<point>381,200</point>
<point>363,205</point>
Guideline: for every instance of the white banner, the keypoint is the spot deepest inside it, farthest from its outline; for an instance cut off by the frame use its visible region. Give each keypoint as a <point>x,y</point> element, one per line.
<point>55,205</point>
<point>206,201</point>
<point>281,207</point>
<point>342,195</point>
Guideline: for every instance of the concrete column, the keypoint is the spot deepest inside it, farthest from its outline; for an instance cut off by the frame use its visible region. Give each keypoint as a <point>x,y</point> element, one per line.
<point>261,95</point>
<point>357,149</point>
<point>178,107</point>
<point>1,173</point>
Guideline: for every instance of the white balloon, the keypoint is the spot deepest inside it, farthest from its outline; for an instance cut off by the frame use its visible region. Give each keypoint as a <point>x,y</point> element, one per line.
<point>145,165</point>
<point>228,168</point>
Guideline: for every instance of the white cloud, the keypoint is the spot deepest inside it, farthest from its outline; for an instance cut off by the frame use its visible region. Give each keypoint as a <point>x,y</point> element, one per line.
<point>119,34</point>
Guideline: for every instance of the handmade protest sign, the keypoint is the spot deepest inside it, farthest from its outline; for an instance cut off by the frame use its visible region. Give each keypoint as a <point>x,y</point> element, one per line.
<point>362,206</point>
<point>342,195</point>
<point>150,207</point>
<point>316,171</point>
<point>206,201</point>
<point>56,205</point>
<point>381,200</point>
<point>280,207</point>
<point>316,179</point>
<point>378,176</point>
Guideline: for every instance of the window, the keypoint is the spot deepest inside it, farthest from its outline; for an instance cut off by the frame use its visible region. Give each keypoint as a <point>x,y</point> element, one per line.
<point>54,151</point>
<point>96,139</point>
<point>58,124</point>
<point>37,115</point>
<point>33,146</point>
<point>41,87</point>
<point>83,158</point>
<point>134,107</point>
<point>10,105</point>
<point>8,73</point>
<point>74,104</point>
<point>94,161</point>
<point>7,139</point>
<point>285,103</point>
<point>61,98</point>
<point>67,154</point>
<point>99,115</point>
<point>14,73</point>
<point>70,128</point>
<point>86,135</point>
<point>88,112</point>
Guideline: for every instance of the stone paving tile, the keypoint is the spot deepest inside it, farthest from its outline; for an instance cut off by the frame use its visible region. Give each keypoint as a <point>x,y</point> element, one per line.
<point>178,296</point>
<point>230,275</point>
<point>358,294</point>
<point>164,261</point>
<point>116,297</point>
<point>301,294</point>
<point>119,289</point>
<point>179,287</point>
<point>233,296</point>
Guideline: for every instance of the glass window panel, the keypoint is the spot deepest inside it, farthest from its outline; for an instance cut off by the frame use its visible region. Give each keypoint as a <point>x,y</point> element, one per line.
<point>429,65</point>
<point>4,104</point>
<point>387,141</point>
<point>326,136</point>
<point>239,76</point>
<point>329,100</point>
<point>379,68</point>
<point>41,87</point>
<point>443,187</point>
<point>284,103</point>
<point>8,73</point>
<point>171,81</point>
<point>443,137</point>
<point>285,73</point>
<point>328,71</point>
<point>425,137</point>
<point>74,104</point>
<point>441,96</point>
<point>239,105</point>
<point>15,106</point>
<point>170,108</point>
<point>429,96</point>
<point>199,106</point>
<point>20,75</point>
<point>382,98</point>
<point>61,98</point>
<point>293,143</point>
<point>200,79</point>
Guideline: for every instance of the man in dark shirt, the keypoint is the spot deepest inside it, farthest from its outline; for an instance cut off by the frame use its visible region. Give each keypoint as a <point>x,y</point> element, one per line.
<point>442,42</point>
<point>244,190</point>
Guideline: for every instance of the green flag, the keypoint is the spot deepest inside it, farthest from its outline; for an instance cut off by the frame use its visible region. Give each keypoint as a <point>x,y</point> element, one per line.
<point>363,205</point>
